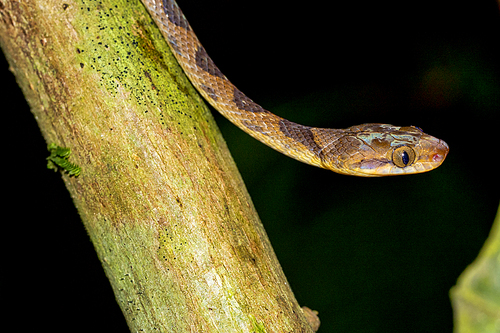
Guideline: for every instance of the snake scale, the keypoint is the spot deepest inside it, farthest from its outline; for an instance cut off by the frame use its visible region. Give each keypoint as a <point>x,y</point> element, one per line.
<point>362,150</point>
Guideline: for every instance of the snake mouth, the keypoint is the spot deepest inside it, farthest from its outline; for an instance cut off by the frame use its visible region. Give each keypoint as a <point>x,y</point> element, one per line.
<point>373,167</point>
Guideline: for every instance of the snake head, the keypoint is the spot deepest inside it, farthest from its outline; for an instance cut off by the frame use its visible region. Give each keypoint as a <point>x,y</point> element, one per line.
<point>385,150</point>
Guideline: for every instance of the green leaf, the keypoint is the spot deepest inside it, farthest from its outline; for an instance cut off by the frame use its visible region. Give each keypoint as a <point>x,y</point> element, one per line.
<point>476,297</point>
<point>58,159</point>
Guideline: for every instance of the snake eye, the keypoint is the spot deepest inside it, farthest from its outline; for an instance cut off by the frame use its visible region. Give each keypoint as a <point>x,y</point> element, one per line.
<point>403,156</point>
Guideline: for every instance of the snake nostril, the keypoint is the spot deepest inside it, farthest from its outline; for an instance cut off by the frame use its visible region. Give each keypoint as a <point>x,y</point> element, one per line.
<point>437,158</point>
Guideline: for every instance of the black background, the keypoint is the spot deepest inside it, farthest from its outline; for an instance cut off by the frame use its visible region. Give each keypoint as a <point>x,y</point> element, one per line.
<point>371,255</point>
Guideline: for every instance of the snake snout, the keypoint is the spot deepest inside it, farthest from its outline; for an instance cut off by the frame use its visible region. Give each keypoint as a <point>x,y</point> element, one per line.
<point>441,152</point>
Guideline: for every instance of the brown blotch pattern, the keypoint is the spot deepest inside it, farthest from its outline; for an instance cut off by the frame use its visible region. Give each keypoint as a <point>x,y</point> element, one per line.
<point>175,15</point>
<point>244,103</point>
<point>204,62</point>
<point>300,133</point>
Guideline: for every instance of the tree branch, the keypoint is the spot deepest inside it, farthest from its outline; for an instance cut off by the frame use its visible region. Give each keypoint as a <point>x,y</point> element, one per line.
<point>158,192</point>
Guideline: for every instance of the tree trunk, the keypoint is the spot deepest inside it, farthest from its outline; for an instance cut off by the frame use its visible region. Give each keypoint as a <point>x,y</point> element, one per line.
<point>158,192</point>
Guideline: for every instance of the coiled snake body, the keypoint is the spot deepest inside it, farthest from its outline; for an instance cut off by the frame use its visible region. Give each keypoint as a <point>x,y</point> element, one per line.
<point>362,150</point>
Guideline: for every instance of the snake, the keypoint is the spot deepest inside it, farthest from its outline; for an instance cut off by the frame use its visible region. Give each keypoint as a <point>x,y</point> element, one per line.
<point>369,150</point>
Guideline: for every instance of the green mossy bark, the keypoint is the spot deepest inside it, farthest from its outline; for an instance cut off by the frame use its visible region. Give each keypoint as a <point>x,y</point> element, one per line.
<point>158,192</point>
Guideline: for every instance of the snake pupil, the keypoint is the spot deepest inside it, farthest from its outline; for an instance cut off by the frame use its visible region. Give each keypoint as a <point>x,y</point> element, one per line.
<point>405,158</point>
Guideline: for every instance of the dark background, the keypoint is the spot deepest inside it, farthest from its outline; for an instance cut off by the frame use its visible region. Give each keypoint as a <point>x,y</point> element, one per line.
<point>371,255</point>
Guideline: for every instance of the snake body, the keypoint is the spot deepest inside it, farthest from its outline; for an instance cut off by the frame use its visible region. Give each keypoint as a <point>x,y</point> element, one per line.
<point>362,150</point>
